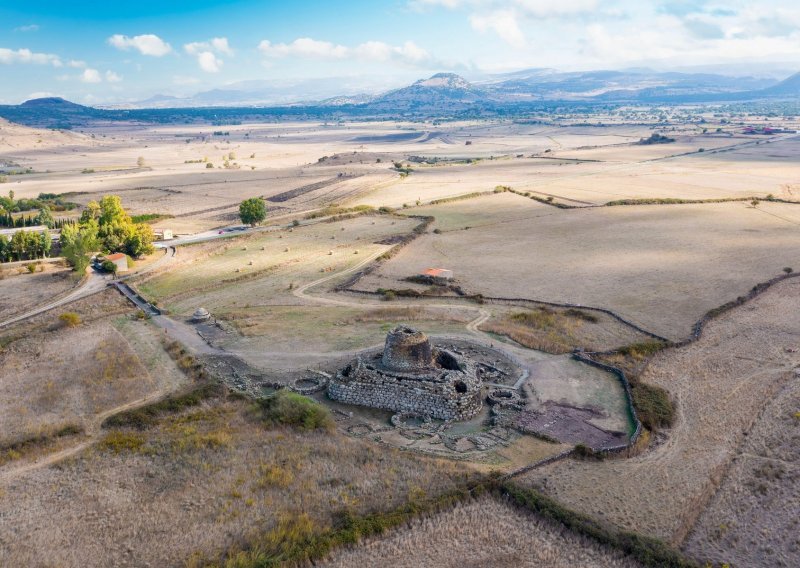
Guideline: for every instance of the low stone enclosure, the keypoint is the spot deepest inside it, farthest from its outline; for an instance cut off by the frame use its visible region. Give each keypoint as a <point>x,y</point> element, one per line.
<point>411,376</point>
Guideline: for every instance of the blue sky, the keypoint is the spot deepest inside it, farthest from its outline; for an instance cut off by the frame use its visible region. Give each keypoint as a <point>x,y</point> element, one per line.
<point>94,52</point>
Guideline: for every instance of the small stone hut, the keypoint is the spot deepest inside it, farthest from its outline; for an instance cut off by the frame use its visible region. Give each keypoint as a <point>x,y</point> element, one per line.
<point>200,315</point>
<point>412,376</point>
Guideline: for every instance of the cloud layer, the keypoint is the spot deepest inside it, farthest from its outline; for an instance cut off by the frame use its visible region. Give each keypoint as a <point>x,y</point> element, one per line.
<point>11,56</point>
<point>207,53</point>
<point>146,44</point>
<point>305,47</point>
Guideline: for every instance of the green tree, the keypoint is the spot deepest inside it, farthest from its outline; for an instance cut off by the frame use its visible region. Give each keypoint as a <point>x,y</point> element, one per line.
<point>109,266</point>
<point>252,211</point>
<point>78,243</point>
<point>140,241</point>
<point>19,244</point>
<point>5,249</point>
<point>45,217</point>
<point>111,210</point>
<point>45,243</point>
<point>92,211</point>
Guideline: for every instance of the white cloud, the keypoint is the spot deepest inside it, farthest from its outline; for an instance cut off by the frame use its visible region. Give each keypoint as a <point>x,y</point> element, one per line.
<point>112,77</point>
<point>503,23</point>
<point>207,51</point>
<point>209,62</point>
<point>533,8</point>
<point>305,47</point>
<point>76,64</point>
<point>11,56</point>
<point>146,44</point>
<point>28,28</point>
<point>91,76</point>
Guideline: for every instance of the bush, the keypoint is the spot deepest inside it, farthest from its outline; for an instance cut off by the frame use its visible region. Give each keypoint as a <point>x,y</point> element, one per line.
<point>291,409</point>
<point>70,319</point>
<point>653,406</point>
<point>119,442</point>
<point>643,349</point>
<point>145,416</point>
<point>31,267</point>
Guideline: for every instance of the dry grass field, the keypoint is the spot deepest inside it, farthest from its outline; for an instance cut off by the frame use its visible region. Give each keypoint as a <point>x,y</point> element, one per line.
<point>722,384</point>
<point>484,532</point>
<point>330,329</point>
<point>661,266</point>
<point>753,518</point>
<point>54,375</point>
<point>199,483</point>
<point>219,274</point>
<point>583,165</point>
<point>208,480</point>
<point>560,330</point>
<point>21,290</point>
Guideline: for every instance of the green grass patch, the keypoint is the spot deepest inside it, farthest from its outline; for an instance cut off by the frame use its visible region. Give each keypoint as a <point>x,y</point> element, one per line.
<point>150,218</point>
<point>287,408</point>
<point>122,442</point>
<point>332,210</point>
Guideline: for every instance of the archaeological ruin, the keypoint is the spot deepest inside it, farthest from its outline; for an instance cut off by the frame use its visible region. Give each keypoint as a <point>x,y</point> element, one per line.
<point>411,376</point>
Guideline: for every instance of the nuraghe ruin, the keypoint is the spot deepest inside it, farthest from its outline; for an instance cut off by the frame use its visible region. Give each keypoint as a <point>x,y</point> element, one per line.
<point>411,376</point>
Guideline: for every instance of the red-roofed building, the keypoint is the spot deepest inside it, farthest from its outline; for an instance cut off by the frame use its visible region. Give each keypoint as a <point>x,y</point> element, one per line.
<point>120,260</point>
<point>438,273</point>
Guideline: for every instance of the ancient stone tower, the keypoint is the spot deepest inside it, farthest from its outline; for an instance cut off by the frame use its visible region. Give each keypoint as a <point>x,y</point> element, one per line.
<point>411,376</point>
<point>407,350</point>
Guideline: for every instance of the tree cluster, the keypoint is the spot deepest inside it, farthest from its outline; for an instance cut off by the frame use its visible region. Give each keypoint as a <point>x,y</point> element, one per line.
<point>107,227</point>
<point>25,245</point>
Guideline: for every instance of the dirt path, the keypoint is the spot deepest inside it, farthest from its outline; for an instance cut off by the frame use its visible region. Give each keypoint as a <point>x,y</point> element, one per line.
<point>93,283</point>
<point>92,432</point>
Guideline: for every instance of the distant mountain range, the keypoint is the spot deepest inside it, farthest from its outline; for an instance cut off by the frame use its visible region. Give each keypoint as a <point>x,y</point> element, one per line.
<point>521,86</point>
<point>443,94</point>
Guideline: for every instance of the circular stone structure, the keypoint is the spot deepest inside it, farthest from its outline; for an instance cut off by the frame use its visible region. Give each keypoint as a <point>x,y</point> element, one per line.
<point>410,376</point>
<point>201,314</point>
<point>407,350</point>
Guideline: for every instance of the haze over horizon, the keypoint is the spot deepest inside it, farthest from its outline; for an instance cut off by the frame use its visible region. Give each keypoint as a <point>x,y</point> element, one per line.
<point>132,52</point>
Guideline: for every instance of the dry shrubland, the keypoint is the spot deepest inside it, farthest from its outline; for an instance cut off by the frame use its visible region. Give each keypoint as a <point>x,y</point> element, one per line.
<point>559,330</point>
<point>209,479</point>
<point>483,532</point>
